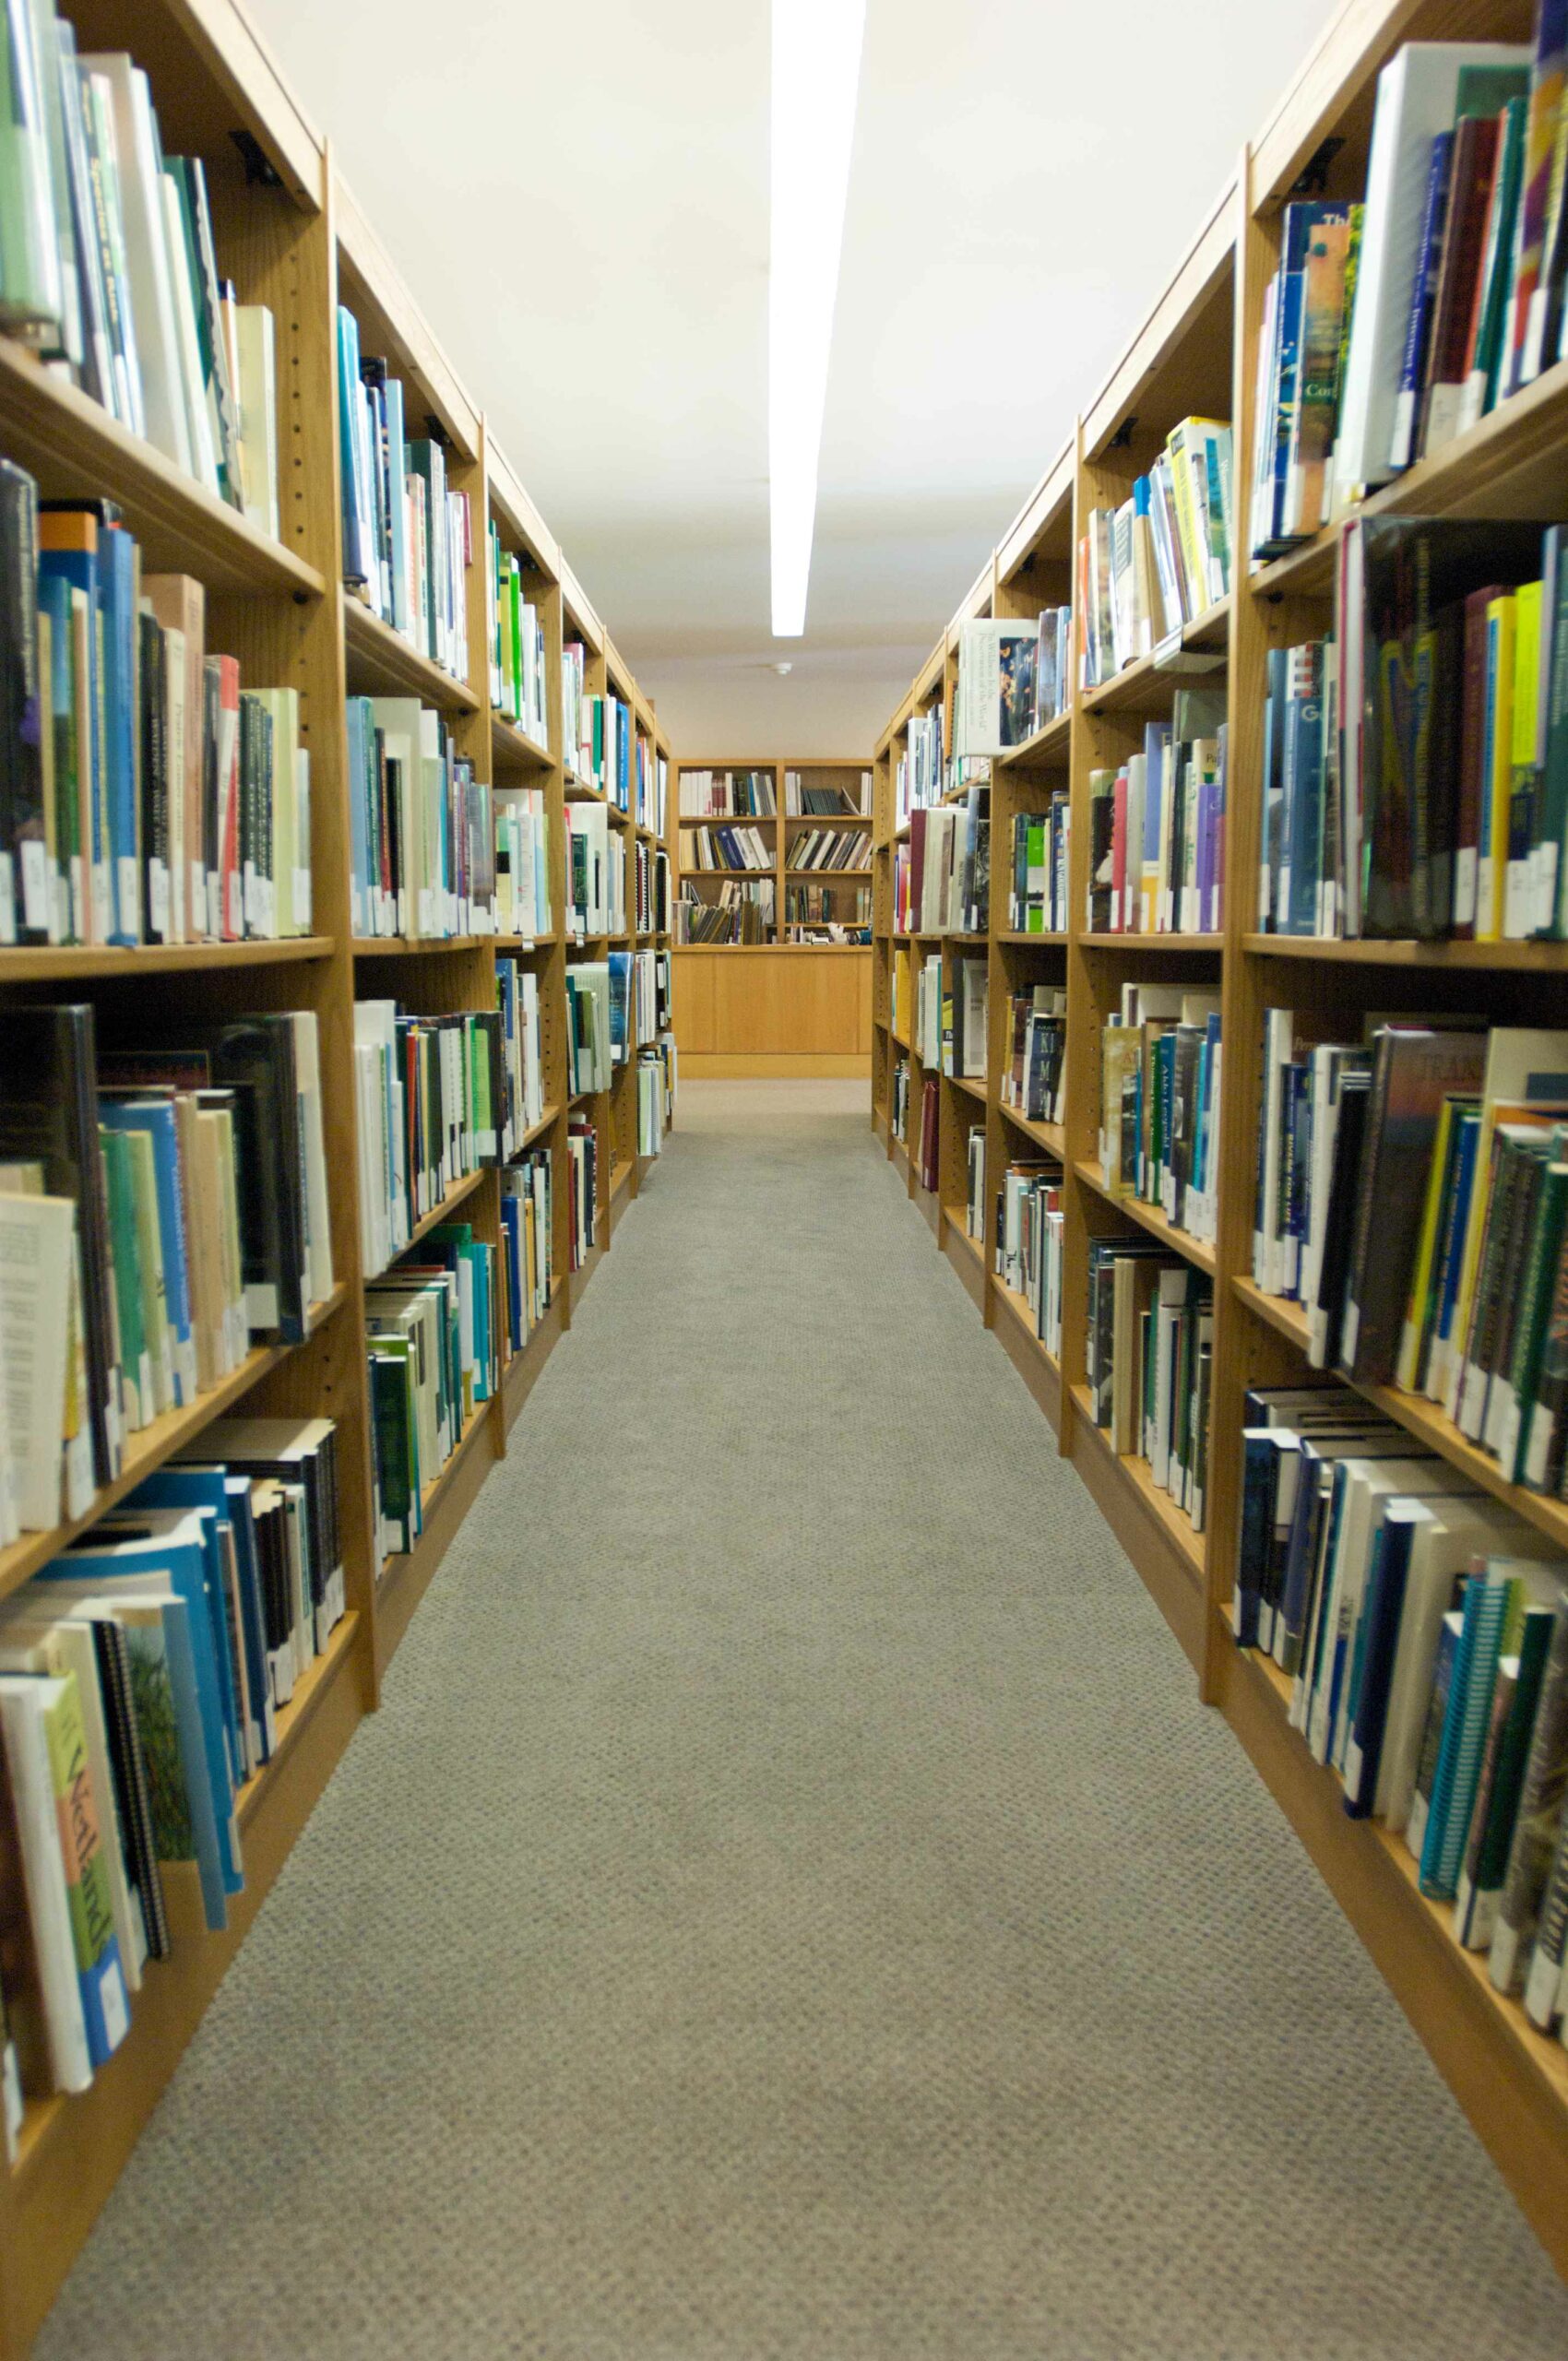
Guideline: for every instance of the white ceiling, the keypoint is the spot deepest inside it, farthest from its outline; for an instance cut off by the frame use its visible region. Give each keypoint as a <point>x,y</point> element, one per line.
<point>578,201</point>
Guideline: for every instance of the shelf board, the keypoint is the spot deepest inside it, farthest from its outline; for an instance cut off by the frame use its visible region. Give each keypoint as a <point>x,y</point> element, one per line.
<point>76,451</point>
<point>513,749</point>
<point>902,1039</point>
<point>829,819</point>
<point>155,1443</point>
<point>1047,746</point>
<point>1512,2079</point>
<point>825,876</point>
<point>1510,464</point>
<point>1550,958</point>
<point>1023,1313</point>
<point>525,943</point>
<point>379,662</point>
<point>1213,943</point>
<point>537,1130</point>
<point>727,819</point>
<point>443,1212</point>
<point>1423,1419</point>
<point>1180,1241</point>
<point>1148,686</point>
<point>620,1175</point>
<point>416,946</point>
<point>51,963</point>
<point>474,1425</point>
<point>1033,942</point>
<point>968,1085</point>
<point>958,1229</point>
<point>1050,1136</point>
<point>1137,1476</point>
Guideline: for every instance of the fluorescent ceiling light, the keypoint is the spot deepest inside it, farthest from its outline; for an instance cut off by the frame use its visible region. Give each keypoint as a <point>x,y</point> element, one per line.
<point>816,71</point>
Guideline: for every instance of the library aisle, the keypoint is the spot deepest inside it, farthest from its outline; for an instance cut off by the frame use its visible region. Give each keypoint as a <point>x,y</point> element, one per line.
<point>793,1901</point>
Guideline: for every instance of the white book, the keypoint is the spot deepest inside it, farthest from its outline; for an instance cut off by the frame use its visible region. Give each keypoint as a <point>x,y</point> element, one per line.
<point>193,383</point>
<point>146,257</point>
<point>256,379</point>
<point>24,1701</point>
<point>1416,95</point>
<point>37,1250</point>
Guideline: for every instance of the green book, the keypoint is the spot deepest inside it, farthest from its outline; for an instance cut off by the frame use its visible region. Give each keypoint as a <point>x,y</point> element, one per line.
<point>1533,1318</point>
<point>136,1369</point>
<point>1502,1772</point>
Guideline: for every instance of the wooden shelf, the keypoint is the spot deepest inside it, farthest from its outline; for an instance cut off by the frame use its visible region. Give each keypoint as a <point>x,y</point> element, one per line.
<point>1195,1251</point>
<point>78,451</point>
<point>1423,1419</point>
<point>1213,944</point>
<point>958,1219</point>
<point>1137,1474</point>
<point>152,1445</point>
<point>620,1178</point>
<point>1033,942</point>
<point>832,876</point>
<point>1050,1136</point>
<point>1548,958</point>
<point>443,1212</point>
<point>537,1130</point>
<point>967,1085</point>
<point>380,662</point>
<point>511,748</point>
<point>403,1561</point>
<point>1150,684</point>
<point>1047,746</point>
<point>61,962</point>
<point>416,946</point>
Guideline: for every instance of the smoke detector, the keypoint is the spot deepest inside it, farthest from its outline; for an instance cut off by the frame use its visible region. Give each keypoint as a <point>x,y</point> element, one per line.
<point>782,669</point>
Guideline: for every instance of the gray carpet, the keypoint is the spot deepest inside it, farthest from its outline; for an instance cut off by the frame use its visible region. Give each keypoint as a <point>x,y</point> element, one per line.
<point>793,1904</point>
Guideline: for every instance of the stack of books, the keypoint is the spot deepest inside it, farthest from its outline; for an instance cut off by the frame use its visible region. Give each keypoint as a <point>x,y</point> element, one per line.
<point>432,1338</point>
<point>1034,1073</point>
<point>1159,1103</point>
<point>1157,828</point>
<point>1037,901</point>
<point>439,1096</point>
<point>516,643</point>
<point>727,795</point>
<point>1149,1363</point>
<point>422,839</point>
<point>1029,1243</point>
<point>1162,559</point>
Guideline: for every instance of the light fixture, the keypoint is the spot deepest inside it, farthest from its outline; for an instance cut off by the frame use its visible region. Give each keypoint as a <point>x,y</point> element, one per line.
<point>816,71</point>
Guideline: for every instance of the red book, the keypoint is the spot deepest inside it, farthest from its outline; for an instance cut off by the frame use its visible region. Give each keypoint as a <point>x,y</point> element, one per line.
<point>917,869</point>
<point>1459,276</point>
<point>231,886</point>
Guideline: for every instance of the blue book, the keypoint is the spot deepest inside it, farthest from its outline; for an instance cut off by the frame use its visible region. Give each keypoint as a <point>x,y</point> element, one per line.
<point>397,468</point>
<point>122,712</point>
<point>1444,1826</point>
<point>1423,297</point>
<point>156,1117</point>
<point>130,1551</point>
<point>356,557</point>
<point>78,570</point>
<point>1301,220</point>
<point>223,1501</point>
<point>1377,1642</point>
<point>1304,794</point>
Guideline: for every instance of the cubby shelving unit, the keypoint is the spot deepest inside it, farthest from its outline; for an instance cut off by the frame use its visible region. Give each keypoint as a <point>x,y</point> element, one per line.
<point>1197,353</point>
<point>289,234</point>
<point>780,1007</point>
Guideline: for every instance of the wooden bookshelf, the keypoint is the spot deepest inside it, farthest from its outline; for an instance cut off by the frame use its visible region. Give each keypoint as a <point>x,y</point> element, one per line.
<point>1197,352</point>
<point>781,827</point>
<point>298,242</point>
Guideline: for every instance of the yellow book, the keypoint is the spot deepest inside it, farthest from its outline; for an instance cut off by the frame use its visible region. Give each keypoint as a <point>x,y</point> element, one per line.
<point>1517,897</point>
<point>1491,868</point>
<point>1408,1363</point>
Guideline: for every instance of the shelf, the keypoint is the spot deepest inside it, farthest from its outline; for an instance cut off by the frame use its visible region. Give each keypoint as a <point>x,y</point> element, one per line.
<point>1511,2079</point>
<point>1047,746</point>
<point>537,1130</point>
<point>1423,1419</point>
<point>729,819</point>
<point>1189,943</point>
<point>1548,958</point>
<point>968,1083</point>
<point>58,963</point>
<point>1033,942</point>
<point>1050,1136</point>
<point>955,935</point>
<point>1150,684</point>
<point>525,943</point>
<point>1020,1312</point>
<point>620,1177</point>
<point>1510,464</point>
<point>957,1221</point>
<point>902,1039</point>
<point>1137,1474</point>
<point>379,662</point>
<point>443,1212</point>
<point>827,876</point>
<point>416,946</point>
<point>46,2120</point>
<point>430,1494</point>
<point>511,748</point>
<point>155,1443</point>
<point>1180,1241</point>
<point>76,451</point>
<point>829,819</point>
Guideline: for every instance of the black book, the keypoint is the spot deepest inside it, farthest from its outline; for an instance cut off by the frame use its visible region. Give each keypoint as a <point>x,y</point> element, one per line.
<point>133,1797</point>
<point>1340,1216</point>
<point>49,1114</point>
<point>26,889</point>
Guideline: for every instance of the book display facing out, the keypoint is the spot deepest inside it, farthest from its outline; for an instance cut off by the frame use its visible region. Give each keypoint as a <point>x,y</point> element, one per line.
<point>334,979</point>
<point>1261,1179</point>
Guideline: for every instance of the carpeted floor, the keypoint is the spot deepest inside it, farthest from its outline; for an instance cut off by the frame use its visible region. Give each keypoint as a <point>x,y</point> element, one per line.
<point>793,1904</point>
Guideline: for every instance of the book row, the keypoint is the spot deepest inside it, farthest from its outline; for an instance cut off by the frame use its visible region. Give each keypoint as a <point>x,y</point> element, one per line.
<point>517,688</point>
<point>146,796</point>
<point>829,848</point>
<point>739,913</point>
<point>738,850</point>
<point>164,1207</point>
<point>728,795</point>
<point>944,886</point>
<point>1163,558</point>
<point>1027,1243</point>
<point>1423,1629</point>
<point>1037,898</point>
<point>1159,1103</point>
<point>812,798</point>
<point>1149,1363</point>
<point>1013,678</point>
<point>1157,828</point>
<point>1034,1080</point>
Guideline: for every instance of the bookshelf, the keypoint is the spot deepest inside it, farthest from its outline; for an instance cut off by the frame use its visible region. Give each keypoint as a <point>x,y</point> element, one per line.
<point>1197,353</point>
<point>293,237</point>
<point>781,1006</point>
